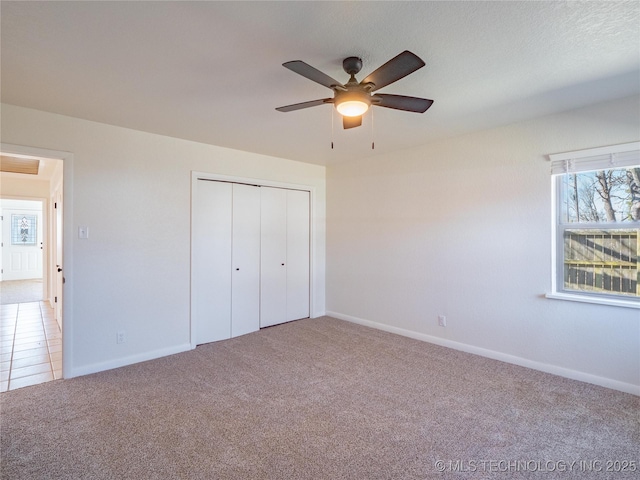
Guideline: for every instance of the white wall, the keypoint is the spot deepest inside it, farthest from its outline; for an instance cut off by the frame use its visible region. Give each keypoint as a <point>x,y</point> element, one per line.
<point>458,227</point>
<point>462,227</point>
<point>132,189</point>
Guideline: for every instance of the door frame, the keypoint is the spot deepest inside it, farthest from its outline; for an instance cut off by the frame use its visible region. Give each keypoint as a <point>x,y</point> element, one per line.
<point>67,239</point>
<point>195,176</point>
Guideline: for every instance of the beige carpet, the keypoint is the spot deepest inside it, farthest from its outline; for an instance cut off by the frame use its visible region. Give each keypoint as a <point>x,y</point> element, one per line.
<point>318,399</point>
<point>20,291</point>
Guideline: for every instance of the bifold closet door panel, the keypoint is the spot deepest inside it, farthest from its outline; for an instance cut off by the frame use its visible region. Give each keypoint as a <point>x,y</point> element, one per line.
<point>211,261</point>
<point>273,256</point>
<point>298,254</point>
<point>245,259</point>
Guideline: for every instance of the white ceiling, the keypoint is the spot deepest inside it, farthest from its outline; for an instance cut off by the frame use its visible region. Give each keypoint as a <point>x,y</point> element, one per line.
<point>211,71</point>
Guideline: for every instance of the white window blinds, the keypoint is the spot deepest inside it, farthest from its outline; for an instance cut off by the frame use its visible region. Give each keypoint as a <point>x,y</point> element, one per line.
<point>614,156</point>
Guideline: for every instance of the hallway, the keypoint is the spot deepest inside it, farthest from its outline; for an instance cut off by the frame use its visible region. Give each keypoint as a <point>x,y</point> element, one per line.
<point>30,345</point>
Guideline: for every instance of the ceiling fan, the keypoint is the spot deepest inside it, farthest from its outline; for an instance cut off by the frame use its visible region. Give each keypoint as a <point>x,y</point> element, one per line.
<point>354,98</point>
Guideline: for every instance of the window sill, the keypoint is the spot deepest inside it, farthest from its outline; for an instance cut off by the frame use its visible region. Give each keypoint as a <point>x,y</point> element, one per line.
<point>591,299</point>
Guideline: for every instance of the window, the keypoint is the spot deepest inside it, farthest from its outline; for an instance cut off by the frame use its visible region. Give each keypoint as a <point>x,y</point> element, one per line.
<point>23,229</point>
<point>597,223</point>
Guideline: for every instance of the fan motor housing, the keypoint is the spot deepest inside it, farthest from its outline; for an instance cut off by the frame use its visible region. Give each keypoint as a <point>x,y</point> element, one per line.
<point>352,94</point>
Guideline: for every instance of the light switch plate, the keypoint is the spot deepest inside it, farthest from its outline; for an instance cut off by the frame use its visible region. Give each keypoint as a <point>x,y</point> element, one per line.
<point>83,232</point>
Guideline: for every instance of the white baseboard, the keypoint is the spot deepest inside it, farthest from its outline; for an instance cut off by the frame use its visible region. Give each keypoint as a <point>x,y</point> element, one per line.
<point>130,360</point>
<point>523,362</point>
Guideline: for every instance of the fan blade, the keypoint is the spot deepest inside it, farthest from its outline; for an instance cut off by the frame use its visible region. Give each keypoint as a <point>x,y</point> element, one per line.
<point>299,106</point>
<point>400,102</point>
<point>311,73</point>
<point>351,122</point>
<point>395,69</point>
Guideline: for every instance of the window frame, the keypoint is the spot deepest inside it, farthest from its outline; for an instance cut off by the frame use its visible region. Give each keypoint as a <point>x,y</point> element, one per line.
<point>575,162</point>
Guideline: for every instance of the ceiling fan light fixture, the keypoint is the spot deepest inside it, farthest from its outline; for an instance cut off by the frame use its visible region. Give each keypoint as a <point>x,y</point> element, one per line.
<point>352,108</point>
<point>352,103</point>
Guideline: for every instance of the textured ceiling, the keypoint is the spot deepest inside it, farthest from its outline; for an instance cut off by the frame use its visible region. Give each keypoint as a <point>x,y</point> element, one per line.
<point>211,71</point>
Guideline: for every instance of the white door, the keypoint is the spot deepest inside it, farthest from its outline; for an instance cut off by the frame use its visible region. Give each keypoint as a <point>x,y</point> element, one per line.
<point>285,235</point>
<point>21,239</point>
<point>245,279</point>
<point>298,254</point>
<point>273,257</point>
<point>211,261</point>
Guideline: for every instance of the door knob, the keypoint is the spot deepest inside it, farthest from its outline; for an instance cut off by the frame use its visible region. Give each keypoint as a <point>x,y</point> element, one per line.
<point>237,269</point>
<point>59,269</point>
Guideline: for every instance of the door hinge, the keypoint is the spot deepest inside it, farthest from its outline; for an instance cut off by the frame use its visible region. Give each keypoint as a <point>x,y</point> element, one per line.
<point>55,204</point>
<point>56,299</point>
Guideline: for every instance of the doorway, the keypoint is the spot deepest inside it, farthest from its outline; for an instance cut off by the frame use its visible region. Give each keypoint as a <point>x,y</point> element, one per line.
<point>31,335</point>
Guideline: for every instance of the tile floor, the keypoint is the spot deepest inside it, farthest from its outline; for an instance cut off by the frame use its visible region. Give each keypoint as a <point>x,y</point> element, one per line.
<point>30,345</point>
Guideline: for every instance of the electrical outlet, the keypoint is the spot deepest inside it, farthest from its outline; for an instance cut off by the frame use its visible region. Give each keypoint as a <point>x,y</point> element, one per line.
<point>442,320</point>
<point>120,337</point>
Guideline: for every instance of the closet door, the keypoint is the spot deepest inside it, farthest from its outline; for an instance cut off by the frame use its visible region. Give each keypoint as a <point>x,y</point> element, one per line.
<point>245,259</point>
<point>298,256</point>
<point>273,257</point>
<point>211,261</point>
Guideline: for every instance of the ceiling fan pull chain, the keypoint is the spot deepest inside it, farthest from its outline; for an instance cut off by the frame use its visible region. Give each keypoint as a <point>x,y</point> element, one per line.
<point>373,146</point>
<point>331,110</point>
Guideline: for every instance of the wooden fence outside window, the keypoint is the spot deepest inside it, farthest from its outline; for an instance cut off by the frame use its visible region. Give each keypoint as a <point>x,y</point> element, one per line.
<point>603,261</point>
